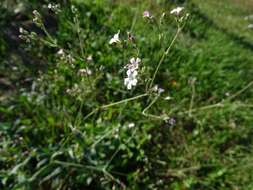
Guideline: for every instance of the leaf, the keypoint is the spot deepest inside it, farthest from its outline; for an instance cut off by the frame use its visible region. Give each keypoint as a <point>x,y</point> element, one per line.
<point>17,167</point>
<point>57,171</point>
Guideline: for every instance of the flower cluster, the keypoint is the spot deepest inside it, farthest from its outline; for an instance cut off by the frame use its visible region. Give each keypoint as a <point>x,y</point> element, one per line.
<point>37,18</point>
<point>54,7</point>
<point>132,73</point>
<point>66,57</point>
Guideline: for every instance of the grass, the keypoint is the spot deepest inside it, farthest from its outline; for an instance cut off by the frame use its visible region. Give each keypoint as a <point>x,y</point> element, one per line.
<point>47,142</point>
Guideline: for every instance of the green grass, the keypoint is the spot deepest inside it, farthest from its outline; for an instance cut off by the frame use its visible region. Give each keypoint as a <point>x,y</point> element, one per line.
<point>47,143</point>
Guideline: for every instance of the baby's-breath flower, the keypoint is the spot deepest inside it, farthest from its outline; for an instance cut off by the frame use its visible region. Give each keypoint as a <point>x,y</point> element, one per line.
<point>21,30</point>
<point>160,90</point>
<point>250,26</point>
<point>115,38</point>
<point>171,121</point>
<point>131,80</point>
<point>177,11</point>
<point>60,52</point>
<point>132,73</point>
<point>131,125</point>
<point>146,14</point>
<point>85,71</point>
<point>89,58</point>
<point>134,64</point>
<point>37,17</point>
<point>49,6</point>
<point>167,98</point>
<point>54,7</point>
<point>157,89</point>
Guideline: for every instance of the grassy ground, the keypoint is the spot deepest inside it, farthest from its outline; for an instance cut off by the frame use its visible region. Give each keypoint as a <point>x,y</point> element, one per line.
<point>208,74</point>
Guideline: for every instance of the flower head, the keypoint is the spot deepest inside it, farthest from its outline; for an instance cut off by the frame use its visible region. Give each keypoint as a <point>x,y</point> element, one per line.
<point>176,11</point>
<point>130,81</point>
<point>131,125</point>
<point>54,7</point>
<point>157,89</point>
<point>115,39</point>
<point>85,71</point>
<point>60,52</point>
<point>134,64</point>
<point>146,14</point>
<point>89,58</point>
<point>132,73</point>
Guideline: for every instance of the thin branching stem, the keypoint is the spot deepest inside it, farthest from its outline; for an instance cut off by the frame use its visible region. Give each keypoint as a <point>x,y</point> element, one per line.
<point>114,104</point>
<point>166,52</point>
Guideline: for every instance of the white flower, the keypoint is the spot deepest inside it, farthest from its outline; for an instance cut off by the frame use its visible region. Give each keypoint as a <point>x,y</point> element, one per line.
<point>21,30</point>
<point>50,6</point>
<point>85,71</point>
<point>132,73</point>
<point>250,17</point>
<point>134,64</point>
<point>160,90</point>
<point>89,58</point>
<point>157,89</point>
<point>115,39</point>
<point>131,125</point>
<point>177,11</point>
<point>146,14</point>
<point>167,98</point>
<point>131,79</point>
<point>250,26</point>
<point>54,7</point>
<point>60,52</point>
<point>135,60</point>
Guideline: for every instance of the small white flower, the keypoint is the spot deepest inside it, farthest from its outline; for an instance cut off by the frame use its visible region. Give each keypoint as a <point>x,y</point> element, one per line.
<point>160,90</point>
<point>250,26</point>
<point>134,64</point>
<point>115,39</point>
<point>157,89</point>
<point>130,81</point>
<point>89,58</point>
<point>146,14</point>
<point>54,7</point>
<point>85,71</point>
<point>49,6</point>
<point>227,94</point>
<point>60,52</point>
<point>131,125</point>
<point>21,30</point>
<point>132,73</point>
<point>176,11</point>
<point>250,17</point>
<point>135,60</point>
<point>167,98</point>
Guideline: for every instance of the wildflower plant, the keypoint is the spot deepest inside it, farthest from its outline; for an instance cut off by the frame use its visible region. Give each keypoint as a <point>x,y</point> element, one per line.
<point>81,82</point>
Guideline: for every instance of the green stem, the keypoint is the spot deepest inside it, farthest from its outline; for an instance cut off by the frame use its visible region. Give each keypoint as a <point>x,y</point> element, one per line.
<point>164,55</point>
<point>114,104</point>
